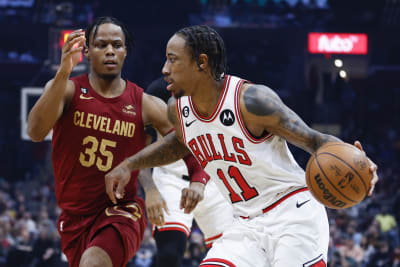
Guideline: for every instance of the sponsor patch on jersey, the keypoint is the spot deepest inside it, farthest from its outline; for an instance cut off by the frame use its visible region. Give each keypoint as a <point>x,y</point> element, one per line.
<point>185,111</point>
<point>84,90</point>
<point>226,117</point>
<point>129,109</point>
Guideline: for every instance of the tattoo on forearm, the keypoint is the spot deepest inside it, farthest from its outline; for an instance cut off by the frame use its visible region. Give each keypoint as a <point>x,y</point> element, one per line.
<point>325,138</point>
<point>164,151</point>
<point>262,101</point>
<point>146,180</point>
<point>303,136</point>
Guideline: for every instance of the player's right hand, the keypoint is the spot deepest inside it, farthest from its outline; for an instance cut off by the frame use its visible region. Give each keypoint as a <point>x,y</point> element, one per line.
<point>116,180</point>
<point>71,51</point>
<point>155,206</point>
<point>373,168</point>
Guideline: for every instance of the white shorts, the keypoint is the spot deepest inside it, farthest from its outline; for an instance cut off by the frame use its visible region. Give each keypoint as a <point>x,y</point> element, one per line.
<point>213,214</point>
<point>286,235</point>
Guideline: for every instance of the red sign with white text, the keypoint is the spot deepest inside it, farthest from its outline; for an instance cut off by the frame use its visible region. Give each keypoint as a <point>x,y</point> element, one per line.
<point>338,43</point>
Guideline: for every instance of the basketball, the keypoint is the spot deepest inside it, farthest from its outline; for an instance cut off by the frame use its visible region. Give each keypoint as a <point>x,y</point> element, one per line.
<point>338,175</point>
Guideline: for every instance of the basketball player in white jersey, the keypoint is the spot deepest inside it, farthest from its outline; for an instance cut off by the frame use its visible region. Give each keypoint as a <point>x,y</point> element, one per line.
<point>172,229</point>
<point>238,132</point>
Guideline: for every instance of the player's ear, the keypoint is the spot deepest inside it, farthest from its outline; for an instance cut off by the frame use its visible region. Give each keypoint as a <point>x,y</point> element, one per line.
<point>203,61</point>
<point>86,52</point>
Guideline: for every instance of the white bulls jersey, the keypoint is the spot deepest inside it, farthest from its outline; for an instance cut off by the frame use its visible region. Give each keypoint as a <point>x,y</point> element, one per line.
<point>252,173</point>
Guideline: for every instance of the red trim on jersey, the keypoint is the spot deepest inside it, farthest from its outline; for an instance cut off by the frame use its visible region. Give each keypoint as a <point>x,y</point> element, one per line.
<point>316,262</point>
<point>212,262</point>
<point>220,103</point>
<point>179,106</point>
<point>213,238</point>
<point>284,198</point>
<point>321,263</point>
<point>170,131</point>
<point>279,201</point>
<point>245,131</point>
<point>172,226</point>
<point>173,229</point>
<point>209,241</point>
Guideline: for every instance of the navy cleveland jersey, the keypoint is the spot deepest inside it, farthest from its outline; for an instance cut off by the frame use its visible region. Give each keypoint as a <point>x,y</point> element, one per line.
<point>93,136</point>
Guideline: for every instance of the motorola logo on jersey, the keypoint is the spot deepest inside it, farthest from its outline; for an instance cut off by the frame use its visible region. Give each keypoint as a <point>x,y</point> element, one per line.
<point>185,111</point>
<point>84,90</point>
<point>227,118</point>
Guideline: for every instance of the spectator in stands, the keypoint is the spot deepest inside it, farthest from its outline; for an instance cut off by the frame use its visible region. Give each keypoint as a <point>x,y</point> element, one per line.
<point>20,254</point>
<point>4,246</point>
<point>353,254</point>
<point>396,258</point>
<point>381,257</point>
<point>388,225</point>
<point>45,252</point>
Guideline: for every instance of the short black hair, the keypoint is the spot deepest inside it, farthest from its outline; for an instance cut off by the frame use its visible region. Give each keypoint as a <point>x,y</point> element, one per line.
<point>203,39</point>
<point>129,41</point>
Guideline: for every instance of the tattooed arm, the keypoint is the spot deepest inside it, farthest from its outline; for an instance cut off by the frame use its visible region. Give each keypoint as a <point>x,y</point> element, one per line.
<point>167,150</point>
<point>263,110</point>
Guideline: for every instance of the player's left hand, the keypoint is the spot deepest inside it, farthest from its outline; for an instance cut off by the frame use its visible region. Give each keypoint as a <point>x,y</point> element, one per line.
<point>116,180</point>
<point>192,196</point>
<point>372,168</point>
<point>155,207</point>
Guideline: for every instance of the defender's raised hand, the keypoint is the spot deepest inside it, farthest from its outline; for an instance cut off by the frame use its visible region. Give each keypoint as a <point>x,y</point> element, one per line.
<point>71,51</point>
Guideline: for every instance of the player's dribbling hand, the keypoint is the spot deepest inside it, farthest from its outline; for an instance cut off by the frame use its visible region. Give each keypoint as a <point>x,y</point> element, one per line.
<point>116,180</point>
<point>155,206</point>
<point>192,196</point>
<point>71,51</point>
<point>372,168</point>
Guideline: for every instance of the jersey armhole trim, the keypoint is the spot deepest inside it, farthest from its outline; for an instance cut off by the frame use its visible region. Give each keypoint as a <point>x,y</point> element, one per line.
<point>179,107</point>
<point>243,127</point>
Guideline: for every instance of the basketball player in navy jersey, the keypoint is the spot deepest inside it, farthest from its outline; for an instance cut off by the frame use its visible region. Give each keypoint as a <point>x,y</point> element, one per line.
<point>238,132</point>
<point>98,120</point>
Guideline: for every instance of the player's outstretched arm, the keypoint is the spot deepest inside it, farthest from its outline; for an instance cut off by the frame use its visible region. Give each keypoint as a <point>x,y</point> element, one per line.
<point>58,91</point>
<point>166,150</point>
<point>262,109</point>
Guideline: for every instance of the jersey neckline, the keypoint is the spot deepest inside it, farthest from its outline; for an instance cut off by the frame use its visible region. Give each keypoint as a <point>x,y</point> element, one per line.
<point>107,99</point>
<point>217,107</point>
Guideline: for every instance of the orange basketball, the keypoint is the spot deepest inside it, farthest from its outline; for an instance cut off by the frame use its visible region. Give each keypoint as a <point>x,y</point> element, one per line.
<point>338,175</point>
